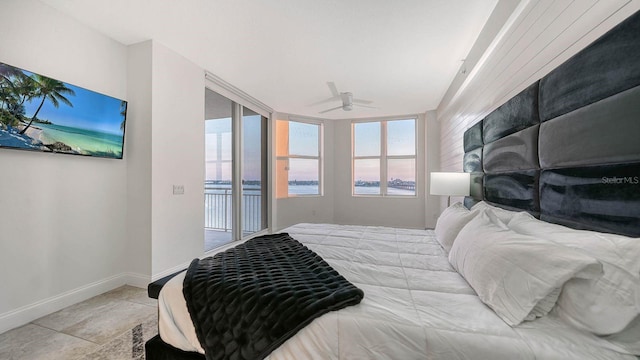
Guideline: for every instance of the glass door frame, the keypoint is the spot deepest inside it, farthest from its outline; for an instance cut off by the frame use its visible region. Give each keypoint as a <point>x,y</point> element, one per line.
<point>237,186</point>
<point>239,100</point>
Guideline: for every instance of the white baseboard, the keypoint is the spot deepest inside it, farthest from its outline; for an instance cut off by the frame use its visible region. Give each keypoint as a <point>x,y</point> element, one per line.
<point>170,271</point>
<point>185,265</point>
<point>137,280</point>
<point>25,314</point>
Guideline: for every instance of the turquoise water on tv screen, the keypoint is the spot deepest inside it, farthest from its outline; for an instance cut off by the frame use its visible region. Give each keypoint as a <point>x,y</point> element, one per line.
<point>84,141</point>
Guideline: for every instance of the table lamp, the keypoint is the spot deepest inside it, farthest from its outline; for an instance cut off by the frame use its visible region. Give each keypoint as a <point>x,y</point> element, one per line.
<point>450,184</point>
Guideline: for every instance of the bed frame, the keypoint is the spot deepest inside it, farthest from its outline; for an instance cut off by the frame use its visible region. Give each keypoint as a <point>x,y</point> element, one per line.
<point>567,148</point>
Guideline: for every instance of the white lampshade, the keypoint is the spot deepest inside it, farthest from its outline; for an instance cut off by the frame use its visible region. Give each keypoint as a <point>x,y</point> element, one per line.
<point>450,183</point>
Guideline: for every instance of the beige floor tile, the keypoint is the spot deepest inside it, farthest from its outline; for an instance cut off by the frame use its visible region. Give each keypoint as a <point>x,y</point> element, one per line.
<point>34,342</point>
<point>81,329</point>
<point>133,294</point>
<point>83,311</point>
<point>76,313</point>
<point>109,322</point>
<point>129,345</point>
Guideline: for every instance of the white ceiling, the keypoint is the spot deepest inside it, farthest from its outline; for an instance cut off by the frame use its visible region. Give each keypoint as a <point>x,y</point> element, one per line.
<point>401,55</point>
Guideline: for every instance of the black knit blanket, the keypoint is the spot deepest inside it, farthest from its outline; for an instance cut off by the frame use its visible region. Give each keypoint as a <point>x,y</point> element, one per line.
<point>248,300</point>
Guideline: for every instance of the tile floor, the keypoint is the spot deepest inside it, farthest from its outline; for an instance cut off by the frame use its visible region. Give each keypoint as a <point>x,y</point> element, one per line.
<point>80,329</point>
<point>215,238</point>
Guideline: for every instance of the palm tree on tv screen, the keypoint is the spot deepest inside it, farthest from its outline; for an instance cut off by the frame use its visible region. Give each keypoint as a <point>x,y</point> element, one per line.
<point>123,113</point>
<point>52,90</point>
<point>6,71</point>
<point>6,85</point>
<point>24,89</point>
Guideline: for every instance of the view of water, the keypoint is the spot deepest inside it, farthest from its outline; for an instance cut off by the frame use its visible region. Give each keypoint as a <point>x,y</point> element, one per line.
<point>218,202</point>
<point>359,190</point>
<point>374,190</point>
<point>82,140</point>
<point>303,189</point>
<point>313,190</point>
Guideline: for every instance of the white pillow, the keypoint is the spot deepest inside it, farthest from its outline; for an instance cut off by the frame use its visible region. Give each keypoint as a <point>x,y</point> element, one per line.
<point>502,214</point>
<point>449,224</point>
<point>511,272</point>
<point>604,305</point>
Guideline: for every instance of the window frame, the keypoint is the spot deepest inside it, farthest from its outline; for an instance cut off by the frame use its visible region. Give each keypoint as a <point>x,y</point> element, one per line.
<point>319,157</point>
<point>384,157</point>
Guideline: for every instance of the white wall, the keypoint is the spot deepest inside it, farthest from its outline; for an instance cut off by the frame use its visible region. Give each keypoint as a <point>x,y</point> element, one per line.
<point>138,147</point>
<point>62,217</point>
<point>73,227</point>
<point>166,131</point>
<point>537,37</point>
<point>177,158</point>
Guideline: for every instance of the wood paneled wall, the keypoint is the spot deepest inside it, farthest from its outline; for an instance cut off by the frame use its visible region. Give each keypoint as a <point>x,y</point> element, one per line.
<point>539,36</point>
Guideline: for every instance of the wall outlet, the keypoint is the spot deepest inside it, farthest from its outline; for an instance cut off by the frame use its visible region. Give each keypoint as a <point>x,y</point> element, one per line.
<point>178,189</point>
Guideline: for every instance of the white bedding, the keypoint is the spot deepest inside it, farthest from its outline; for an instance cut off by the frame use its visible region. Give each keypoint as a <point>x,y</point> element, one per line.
<point>415,307</point>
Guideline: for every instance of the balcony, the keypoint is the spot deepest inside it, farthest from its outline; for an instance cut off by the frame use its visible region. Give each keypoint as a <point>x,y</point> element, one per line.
<point>218,213</point>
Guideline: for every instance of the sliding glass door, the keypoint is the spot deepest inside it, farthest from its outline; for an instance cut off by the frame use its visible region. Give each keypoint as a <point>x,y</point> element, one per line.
<point>218,204</point>
<point>235,171</point>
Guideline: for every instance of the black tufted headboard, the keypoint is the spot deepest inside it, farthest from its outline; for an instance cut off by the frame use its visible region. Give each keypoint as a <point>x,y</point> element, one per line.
<point>567,148</point>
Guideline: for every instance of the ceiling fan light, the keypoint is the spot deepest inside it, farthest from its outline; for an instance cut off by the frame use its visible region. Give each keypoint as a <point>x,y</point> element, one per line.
<point>346,97</point>
<point>347,101</point>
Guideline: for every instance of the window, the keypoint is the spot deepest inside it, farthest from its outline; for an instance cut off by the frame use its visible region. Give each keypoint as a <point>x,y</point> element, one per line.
<point>299,161</point>
<point>384,150</point>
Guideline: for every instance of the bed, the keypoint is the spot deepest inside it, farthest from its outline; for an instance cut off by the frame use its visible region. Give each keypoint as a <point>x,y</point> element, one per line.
<point>416,306</point>
<point>563,151</point>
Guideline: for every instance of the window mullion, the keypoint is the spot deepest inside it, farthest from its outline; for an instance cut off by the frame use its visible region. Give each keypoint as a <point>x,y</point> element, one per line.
<point>236,178</point>
<point>353,159</point>
<point>301,157</point>
<point>320,162</point>
<point>366,157</point>
<point>383,158</point>
<point>400,157</point>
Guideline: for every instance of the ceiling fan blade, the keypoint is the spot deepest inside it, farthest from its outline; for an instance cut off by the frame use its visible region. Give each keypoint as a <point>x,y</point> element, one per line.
<point>331,99</point>
<point>360,101</point>
<point>360,105</point>
<point>326,111</point>
<point>333,88</point>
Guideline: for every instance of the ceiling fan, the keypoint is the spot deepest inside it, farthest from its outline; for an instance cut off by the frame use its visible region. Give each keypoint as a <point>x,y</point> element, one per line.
<point>348,102</point>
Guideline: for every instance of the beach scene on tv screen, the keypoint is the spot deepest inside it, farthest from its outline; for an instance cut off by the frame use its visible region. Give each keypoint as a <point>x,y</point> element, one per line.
<point>44,114</point>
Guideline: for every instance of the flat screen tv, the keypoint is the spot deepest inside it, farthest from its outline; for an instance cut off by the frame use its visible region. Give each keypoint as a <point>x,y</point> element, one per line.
<point>39,113</point>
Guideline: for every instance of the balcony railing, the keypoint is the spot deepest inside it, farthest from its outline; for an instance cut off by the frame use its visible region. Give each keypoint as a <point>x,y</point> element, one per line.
<point>218,205</point>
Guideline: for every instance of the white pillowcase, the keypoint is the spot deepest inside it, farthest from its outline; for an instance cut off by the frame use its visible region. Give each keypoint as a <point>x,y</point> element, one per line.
<point>511,272</point>
<point>449,224</point>
<point>604,305</point>
<point>502,214</point>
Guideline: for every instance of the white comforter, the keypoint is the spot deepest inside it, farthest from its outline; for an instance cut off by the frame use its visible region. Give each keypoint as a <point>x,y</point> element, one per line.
<point>415,307</point>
